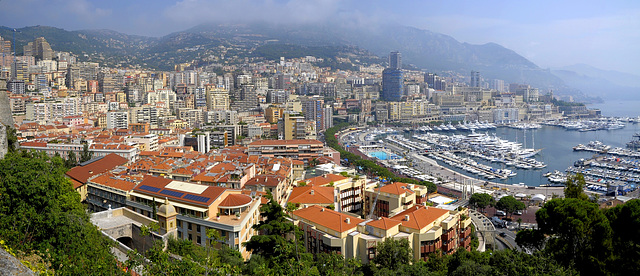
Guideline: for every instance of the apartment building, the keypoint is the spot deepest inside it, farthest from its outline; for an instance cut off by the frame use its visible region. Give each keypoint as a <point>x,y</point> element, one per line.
<point>301,149</point>
<point>428,230</point>
<point>199,208</point>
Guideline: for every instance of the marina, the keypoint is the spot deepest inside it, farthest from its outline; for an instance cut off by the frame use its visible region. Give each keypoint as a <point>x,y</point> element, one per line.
<point>550,148</point>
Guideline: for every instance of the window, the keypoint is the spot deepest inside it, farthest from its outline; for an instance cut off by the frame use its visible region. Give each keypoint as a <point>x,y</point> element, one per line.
<point>198,228</point>
<point>198,239</point>
<point>190,237</point>
<point>189,227</point>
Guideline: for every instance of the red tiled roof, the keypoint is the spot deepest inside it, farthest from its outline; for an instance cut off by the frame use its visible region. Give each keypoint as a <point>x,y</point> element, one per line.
<point>324,179</point>
<point>107,163</point>
<point>268,180</point>
<point>419,216</point>
<point>328,218</point>
<point>311,195</point>
<point>396,188</point>
<point>110,181</point>
<point>235,200</point>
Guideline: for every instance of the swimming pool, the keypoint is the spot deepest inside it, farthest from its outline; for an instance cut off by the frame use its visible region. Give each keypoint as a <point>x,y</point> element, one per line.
<point>381,155</point>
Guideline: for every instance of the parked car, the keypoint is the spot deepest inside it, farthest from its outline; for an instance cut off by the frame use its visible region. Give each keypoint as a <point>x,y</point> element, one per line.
<point>500,213</point>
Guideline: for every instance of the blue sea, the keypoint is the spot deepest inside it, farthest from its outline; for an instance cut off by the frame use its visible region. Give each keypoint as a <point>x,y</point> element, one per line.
<point>557,143</point>
<point>618,108</point>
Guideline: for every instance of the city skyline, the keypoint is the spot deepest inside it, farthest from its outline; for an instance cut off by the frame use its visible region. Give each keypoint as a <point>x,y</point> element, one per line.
<point>549,34</point>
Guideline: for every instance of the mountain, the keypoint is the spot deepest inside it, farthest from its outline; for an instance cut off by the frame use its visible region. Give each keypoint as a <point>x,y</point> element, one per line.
<point>615,77</point>
<point>424,49</point>
<point>608,85</point>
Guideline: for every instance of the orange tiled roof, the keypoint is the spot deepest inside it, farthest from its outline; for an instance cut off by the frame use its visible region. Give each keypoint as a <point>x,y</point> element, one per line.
<point>109,162</point>
<point>396,188</point>
<point>268,180</point>
<point>419,216</point>
<point>311,195</point>
<point>110,181</point>
<point>235,200</point>
<point>324,179</point>
<point>328,218</point>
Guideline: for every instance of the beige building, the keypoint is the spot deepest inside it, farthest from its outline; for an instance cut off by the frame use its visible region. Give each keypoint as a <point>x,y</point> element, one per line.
<point>428,230</point>
<point>201,207</point>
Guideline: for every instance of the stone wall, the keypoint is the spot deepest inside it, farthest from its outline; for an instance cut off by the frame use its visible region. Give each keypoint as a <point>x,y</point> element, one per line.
<point>6,120</point>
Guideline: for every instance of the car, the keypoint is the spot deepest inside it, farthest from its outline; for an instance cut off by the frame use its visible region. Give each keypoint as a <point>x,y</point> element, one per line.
<point>500,213</point>
<point>519,212</point>
<point>503,234</point>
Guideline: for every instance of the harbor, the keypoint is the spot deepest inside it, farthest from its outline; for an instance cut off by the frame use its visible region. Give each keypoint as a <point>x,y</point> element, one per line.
<point>511,156</point>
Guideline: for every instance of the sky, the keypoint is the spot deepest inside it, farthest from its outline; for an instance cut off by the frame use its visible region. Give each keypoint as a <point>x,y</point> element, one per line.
<point>551,33</point>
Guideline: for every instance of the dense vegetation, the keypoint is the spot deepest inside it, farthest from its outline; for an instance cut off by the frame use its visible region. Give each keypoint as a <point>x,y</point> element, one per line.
<point>576,233</point>
<point>41,217</point>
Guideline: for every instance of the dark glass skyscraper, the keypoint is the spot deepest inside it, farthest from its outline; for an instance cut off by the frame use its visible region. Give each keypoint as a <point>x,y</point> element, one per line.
<point>393,79</point>
<point>395,60</point>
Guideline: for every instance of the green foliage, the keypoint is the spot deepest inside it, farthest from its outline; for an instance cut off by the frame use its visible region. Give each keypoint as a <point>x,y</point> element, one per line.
<point>335,264</point>
<point>12,139</point>
<point>41,213</point>
<point>625,223</point>
<point>531,239</point>
<point>510,204</point>
<point>481,200</point>
<point>579,234</point>
<point>71,160</point>
<point>574,187</point>
<point>85,155</point>
<point>393,253</point>
<point>279,254</point>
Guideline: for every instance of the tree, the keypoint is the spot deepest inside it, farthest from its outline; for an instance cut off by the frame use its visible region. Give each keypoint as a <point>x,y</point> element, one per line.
<point>625,224</point>
<point>12,139</point>
<point>574,187</point>
<point>279,253</point>
<point>431,188</point>
<point>71,160</point>
<point>481,200</point>
<point>579,234</point>
<point>392,253</point>
<point>510,204</point>
<point>41,213</point>
<point>533,240</point>
<point>85,155</point>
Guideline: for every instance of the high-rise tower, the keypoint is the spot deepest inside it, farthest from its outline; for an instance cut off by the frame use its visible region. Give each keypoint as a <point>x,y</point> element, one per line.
<point>475,79</point>
<point>395,60</point>
<point>393,79</point>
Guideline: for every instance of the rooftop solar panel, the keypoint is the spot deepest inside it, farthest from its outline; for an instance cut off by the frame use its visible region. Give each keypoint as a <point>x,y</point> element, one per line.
<point>172,193</point>
<point>149,188</point>
<point>197,198</point>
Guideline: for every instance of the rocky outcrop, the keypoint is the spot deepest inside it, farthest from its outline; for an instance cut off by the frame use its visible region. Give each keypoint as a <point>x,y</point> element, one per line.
<point>6,120</point>
<point>9,265</point>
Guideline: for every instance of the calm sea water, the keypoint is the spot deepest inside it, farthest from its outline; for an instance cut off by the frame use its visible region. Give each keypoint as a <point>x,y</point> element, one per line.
<point>618,108</point>
<point>557,148</point>
<point>557,143</point>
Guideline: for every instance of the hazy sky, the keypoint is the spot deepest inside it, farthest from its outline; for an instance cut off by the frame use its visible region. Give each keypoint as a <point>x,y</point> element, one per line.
<point>551,33</point>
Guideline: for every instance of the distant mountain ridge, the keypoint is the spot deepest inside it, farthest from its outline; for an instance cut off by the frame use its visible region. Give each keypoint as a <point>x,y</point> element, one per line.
<point>425,49</point>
